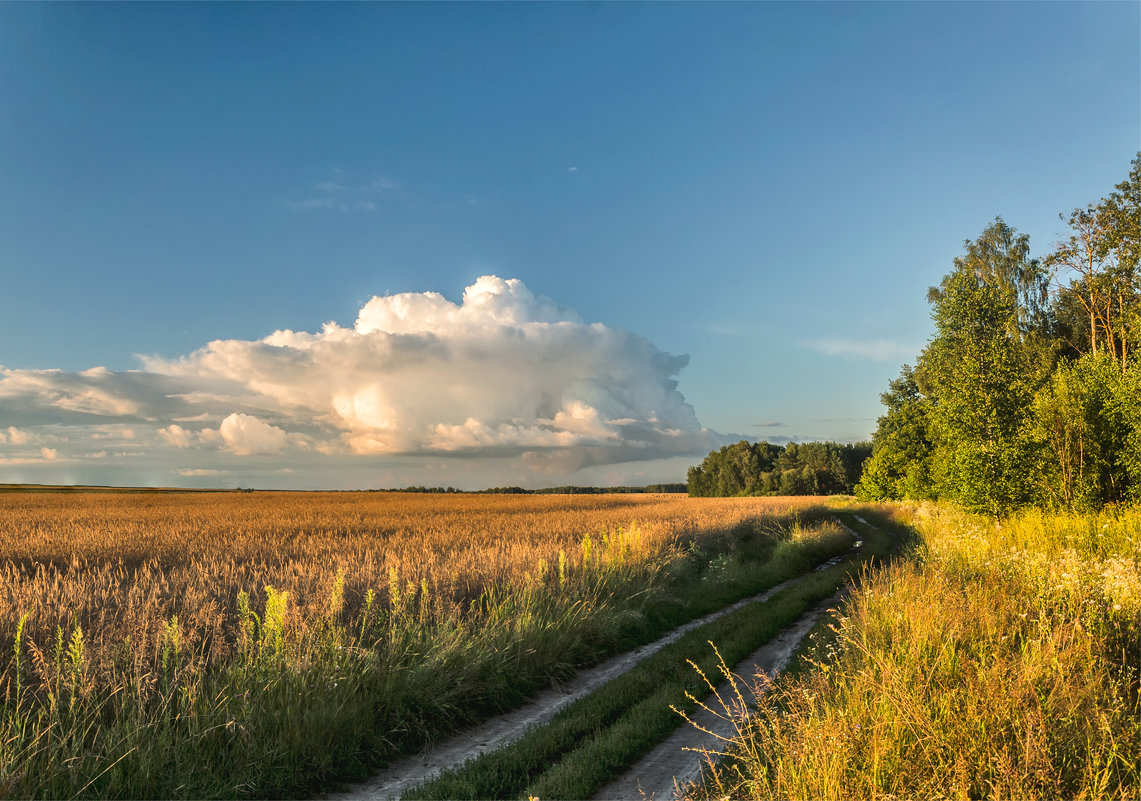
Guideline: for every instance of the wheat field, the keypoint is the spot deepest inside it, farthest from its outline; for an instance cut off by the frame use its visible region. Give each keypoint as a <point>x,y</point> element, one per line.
<point>121,566</point>
<point>236,625</point>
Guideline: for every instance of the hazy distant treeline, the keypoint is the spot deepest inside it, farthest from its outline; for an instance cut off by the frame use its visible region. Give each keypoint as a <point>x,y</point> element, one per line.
<point>568,490</point>
<point>761,468</point>
<point>586,490</point>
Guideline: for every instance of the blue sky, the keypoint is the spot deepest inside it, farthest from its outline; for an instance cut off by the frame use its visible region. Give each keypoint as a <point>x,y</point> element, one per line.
<point>766,188</point>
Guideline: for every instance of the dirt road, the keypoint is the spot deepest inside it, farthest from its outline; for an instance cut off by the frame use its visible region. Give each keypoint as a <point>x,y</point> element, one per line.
<point>499,731</point>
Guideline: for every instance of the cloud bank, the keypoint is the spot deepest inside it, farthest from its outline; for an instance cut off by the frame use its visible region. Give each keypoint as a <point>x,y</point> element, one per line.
<point>502,374</point>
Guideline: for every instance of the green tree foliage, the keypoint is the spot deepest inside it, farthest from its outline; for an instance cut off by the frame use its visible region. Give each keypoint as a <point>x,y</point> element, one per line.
<point>761,468</point>
<point>1000,258</point>
<point>1099,283</point>
<point>1026,395</point>
<point>978,371</point>
<point>1088,417</point>
<point>1126,405</point>
<point>900,465</point>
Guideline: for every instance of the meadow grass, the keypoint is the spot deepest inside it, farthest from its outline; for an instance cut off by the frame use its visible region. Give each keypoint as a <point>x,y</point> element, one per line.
<point>266,645</point>
<point>1002,660</point>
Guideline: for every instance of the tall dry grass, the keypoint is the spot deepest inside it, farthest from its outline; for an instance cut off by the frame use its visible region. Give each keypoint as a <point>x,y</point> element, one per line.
<point>280,638</point>
<point>1003,661</point>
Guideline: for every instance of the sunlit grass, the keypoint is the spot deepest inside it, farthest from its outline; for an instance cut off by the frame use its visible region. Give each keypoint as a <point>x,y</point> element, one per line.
<point>1001,662</point>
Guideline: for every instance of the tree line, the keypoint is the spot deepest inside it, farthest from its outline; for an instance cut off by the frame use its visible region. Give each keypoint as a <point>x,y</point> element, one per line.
<point>1029,392</point>
<point>761,468</point>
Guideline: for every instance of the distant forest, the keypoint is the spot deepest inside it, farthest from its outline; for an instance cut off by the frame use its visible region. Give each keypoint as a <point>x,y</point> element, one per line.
<point>761,468</point>
<point>1029,393</point>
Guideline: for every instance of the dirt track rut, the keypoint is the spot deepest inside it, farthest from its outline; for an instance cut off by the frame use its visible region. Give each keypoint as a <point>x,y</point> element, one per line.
<point>678,760</point>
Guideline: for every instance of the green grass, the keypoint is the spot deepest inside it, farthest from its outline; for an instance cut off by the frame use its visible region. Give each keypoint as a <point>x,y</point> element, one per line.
<point>591,741</point>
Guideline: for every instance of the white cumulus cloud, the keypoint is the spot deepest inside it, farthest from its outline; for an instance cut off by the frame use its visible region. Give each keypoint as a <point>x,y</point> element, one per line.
<point>504,368</point>
<point>246,435</point>
<point>503,373</point>
<point>177,436</point>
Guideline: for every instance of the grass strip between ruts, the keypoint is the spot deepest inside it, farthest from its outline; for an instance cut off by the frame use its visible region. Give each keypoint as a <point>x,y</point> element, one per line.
<point>592,740</point>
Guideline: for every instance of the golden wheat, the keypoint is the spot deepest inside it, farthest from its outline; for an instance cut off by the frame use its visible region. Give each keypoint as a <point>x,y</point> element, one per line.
<point>120,568</point>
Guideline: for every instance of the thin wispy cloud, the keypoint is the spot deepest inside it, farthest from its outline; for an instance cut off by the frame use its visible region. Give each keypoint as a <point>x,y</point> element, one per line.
<point>841,419</point>
<point>768,425</point>
<point>878,350</point>
<point>21,461</point>
<point>331,203</point>
<point>342,191</point>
